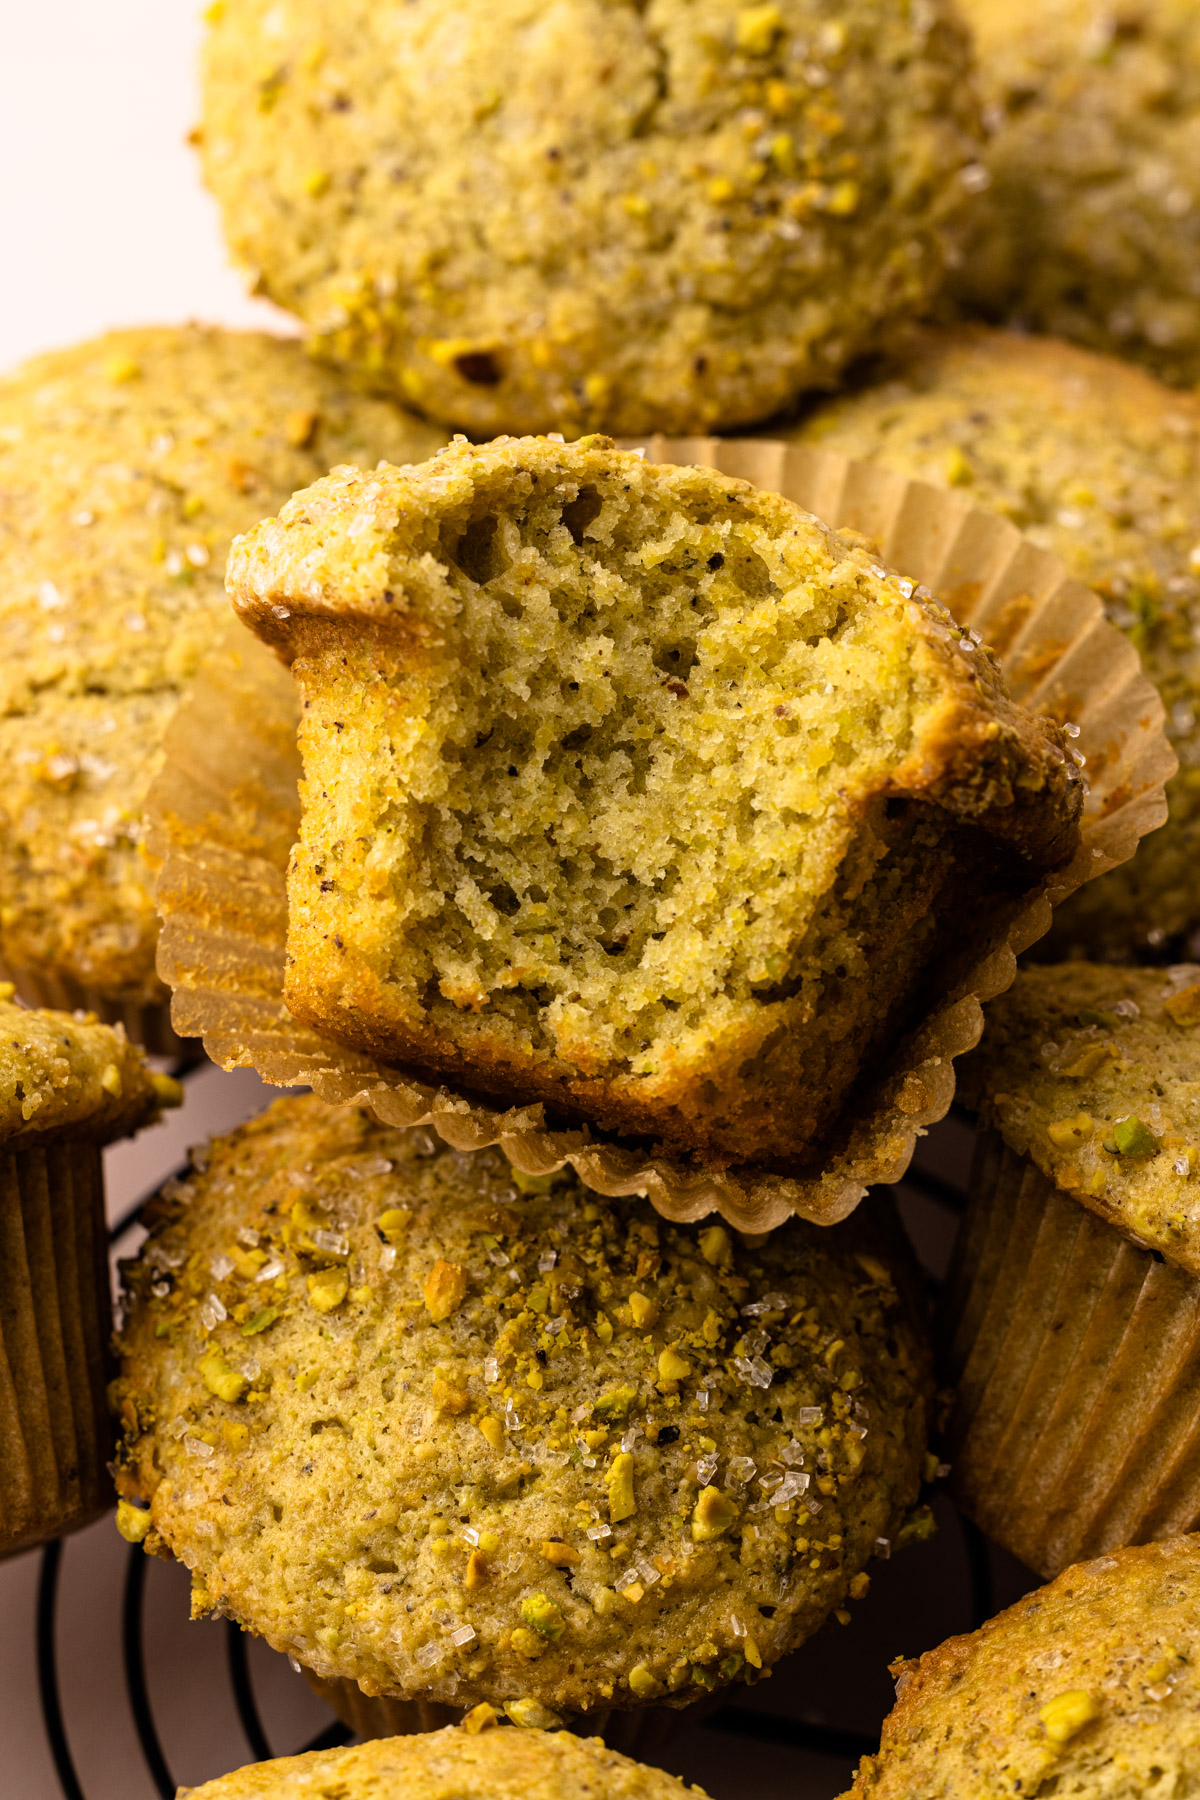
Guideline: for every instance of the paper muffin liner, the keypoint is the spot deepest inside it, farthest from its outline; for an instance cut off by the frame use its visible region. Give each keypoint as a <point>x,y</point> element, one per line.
<point>638,1731</point>
<point>223,814</point>
<point>55,1324</point>
<point>1076,1357</point>
<point>146,1022</point>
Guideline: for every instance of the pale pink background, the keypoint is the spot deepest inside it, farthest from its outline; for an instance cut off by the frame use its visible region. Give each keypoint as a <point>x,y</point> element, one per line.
<point>103,218</point>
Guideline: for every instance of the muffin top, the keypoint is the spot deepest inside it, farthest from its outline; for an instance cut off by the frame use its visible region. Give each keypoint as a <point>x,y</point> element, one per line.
<point>1094,1073</point>
<point>1100,464</point>
<point>65,1075</point>
<point>451,1431</point>
<point>1089,1686</point>
<point>126,466</point>
<point>522,217</point>
<point>453,1764</point>
<point>1091,224</point>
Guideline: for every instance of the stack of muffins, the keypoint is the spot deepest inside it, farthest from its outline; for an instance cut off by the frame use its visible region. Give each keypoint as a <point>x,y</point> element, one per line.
<point>635,800</point>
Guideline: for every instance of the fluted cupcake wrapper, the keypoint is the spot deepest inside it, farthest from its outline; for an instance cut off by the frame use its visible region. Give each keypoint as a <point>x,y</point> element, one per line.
<point>1076,1357</point>
<point>55,1324</point>
<point>223,814</point>
<point>146,1022</point>
<point>636,1731</point>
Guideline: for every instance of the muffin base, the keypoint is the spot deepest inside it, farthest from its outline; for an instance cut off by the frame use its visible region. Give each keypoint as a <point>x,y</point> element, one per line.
<point>55,1325</point>
<point>635,1731</point>
<point>146,1022</point>
<point>1076,1357</point>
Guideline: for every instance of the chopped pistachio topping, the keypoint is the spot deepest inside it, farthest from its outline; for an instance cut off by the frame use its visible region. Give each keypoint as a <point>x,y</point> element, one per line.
<point>544,1616</point>
<point>445,1290</point>
<point>220,1378</point>
<point>712,1515</point>
<point>133,1522</point>
<point>1133,1138</point>
<point>621,1501</point>
<point>1068,1713</point>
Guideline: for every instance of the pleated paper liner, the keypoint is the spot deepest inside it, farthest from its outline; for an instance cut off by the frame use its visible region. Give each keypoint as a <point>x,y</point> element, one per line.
<point>146,1022</point>
<point>55,1323</point>
<point>638,1731</point>
<point>1076,1357</point>
<point>223,814</point>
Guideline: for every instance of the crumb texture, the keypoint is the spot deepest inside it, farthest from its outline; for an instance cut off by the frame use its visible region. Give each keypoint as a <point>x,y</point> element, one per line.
<point>1090,227</point>
<point>630,787</point>
<point>1094,1073</point>
<point>524,217</point>
<point>62,1074</point>
<point>453,1764</point>
<point>454,1433</point>
<point>126,466</point>
<point>1086,1687</point>
<point>1099,463</point>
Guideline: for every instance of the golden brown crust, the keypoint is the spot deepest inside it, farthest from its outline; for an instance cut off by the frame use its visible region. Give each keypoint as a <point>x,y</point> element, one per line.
<point>454,1764</point>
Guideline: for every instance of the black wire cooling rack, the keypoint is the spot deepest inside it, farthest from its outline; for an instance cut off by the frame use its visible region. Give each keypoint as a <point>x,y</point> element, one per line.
<point>819,1715</point>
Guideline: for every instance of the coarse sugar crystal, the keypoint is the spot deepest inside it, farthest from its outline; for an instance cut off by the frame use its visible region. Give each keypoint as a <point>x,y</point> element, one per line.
<point>753,1371</point>
<point>212,1313</point>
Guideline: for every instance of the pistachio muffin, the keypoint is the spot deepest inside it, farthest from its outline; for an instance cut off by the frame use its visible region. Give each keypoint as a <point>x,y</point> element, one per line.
<point>633,789</point>
<point>1097,462</point>
<point>67,1087</point>
<point>126,466</point>
<point>1093,1073</point>
<point>459,1763</point>
<point>1086,1687</point>
<point>1070,1325</point>
<point>1090,226</point>
<point>452,1432</point>
<point>671,217</point>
